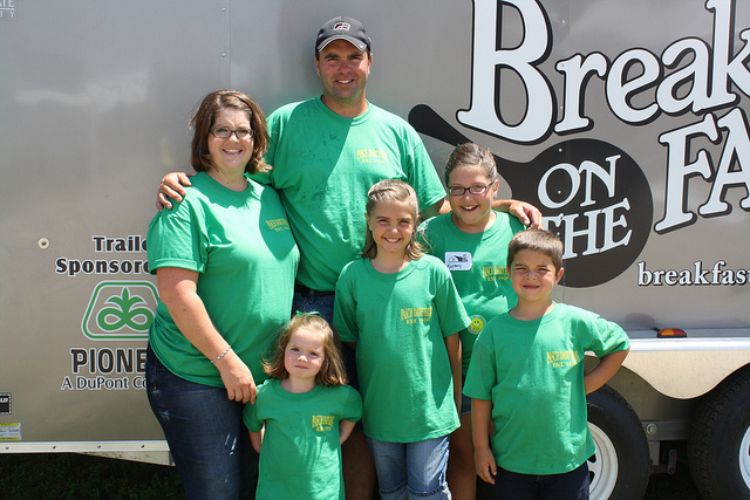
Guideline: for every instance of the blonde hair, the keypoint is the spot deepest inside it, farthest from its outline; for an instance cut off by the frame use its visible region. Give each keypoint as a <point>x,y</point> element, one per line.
<point>392,190</point>
<point>331,372</point>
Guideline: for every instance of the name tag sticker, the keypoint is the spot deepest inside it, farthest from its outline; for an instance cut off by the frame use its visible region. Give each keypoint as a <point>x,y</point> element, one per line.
<point>458,261</point>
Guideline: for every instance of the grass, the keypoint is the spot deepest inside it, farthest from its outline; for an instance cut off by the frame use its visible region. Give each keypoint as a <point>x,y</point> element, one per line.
<point>69,476</point>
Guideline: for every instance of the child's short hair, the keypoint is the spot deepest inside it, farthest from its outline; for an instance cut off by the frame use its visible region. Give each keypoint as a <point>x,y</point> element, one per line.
<point>471,154</point>
<point>392,190</point>
<point>539,240</point>
<point>331,373</point>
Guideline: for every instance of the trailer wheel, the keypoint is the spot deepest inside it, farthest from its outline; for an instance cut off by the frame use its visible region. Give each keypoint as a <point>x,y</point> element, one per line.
<point>620,467</point>
<point>719,443</point>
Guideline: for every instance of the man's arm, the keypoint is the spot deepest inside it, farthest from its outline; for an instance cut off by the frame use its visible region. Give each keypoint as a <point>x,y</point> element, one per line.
<point>172,187</point>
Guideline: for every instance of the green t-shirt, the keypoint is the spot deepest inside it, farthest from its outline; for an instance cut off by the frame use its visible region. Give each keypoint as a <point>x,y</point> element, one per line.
<point>532,371</point>
<point>241,246</point>
<point>301,454</point>
<point>323,165</point>
<point>478,265</point>
<point>399,322</point>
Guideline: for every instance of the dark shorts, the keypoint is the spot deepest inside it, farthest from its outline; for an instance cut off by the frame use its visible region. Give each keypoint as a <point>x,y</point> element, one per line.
<point>573,485</point>
<point>465,400</point>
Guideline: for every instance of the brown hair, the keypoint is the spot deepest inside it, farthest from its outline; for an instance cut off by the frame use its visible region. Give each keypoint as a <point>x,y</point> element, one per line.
<point>471,154</point>
<point>331,372</point>
<point>203,121</point>
<point>392,190</point>
<point>538,240</point>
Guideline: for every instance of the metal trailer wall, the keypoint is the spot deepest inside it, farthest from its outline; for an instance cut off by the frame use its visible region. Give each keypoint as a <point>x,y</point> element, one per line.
<point>94,103</point>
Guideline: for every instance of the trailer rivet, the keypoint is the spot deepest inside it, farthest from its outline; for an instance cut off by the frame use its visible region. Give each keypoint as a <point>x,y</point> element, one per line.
<point>652,429</point>
<point>43,243</point>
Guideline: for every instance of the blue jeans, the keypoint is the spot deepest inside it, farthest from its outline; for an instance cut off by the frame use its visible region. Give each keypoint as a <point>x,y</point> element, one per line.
<point>416,470</point>
<point>320,303</point>
<point>206,436</point>
<point>573,485</point>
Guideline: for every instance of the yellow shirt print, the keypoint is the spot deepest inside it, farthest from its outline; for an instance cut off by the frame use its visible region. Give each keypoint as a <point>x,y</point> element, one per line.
<point>413,315</point>
<point>322,423</point>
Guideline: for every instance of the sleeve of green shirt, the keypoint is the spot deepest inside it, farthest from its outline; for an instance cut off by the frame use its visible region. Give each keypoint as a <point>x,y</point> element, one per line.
<point>344,308</point>
<point>482,374</point>
<point>353,405</point>
<point>450,309</point>
<point>605,337</point>
<point>250,415</point>
<point>176,238</point>
<point>422,175</point>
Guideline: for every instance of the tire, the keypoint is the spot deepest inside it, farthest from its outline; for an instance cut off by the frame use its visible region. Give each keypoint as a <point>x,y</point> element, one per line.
<point>620,468</point>
<point>719,443</point>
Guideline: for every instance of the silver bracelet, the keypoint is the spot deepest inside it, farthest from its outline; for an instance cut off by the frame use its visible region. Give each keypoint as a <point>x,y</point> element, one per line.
<point>221,356</point>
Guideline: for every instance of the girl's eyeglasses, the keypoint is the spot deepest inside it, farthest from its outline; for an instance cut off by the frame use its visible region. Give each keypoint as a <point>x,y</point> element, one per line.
<point>473,189</point>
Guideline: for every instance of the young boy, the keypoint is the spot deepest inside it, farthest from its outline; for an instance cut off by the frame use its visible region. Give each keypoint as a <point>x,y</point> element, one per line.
<point>527,373</point>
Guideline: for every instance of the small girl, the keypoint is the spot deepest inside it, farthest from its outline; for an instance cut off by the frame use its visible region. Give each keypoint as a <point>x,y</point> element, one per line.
<point>302,414</point>
<point>401,310</point>
<point>472,240</point>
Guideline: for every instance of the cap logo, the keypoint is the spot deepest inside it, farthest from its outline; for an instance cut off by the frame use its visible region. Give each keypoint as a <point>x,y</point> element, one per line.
<point>342,27</point>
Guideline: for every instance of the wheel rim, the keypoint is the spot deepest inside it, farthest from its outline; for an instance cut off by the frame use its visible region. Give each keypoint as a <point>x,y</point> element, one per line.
<point>603,465</point>
<point>745,457</point>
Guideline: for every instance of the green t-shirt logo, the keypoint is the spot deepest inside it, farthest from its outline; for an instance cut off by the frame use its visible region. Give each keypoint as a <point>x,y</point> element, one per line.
<point>370,155</point>
<point>412,315</point>
<point>495,273</point>
<point>277,225</point>
<point>561,359</point>
<point>322,423</point>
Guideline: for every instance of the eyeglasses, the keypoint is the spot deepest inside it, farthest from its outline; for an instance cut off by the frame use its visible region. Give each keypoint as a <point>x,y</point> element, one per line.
<point>473,189</point>
<point>225,133</point>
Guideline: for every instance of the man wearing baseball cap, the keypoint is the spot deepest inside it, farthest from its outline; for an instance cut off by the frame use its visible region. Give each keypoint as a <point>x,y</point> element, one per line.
<point>343,28</point>
<point>326,152</point>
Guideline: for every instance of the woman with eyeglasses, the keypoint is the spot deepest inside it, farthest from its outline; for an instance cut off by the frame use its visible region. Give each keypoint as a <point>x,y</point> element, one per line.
<point>225,262</point>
